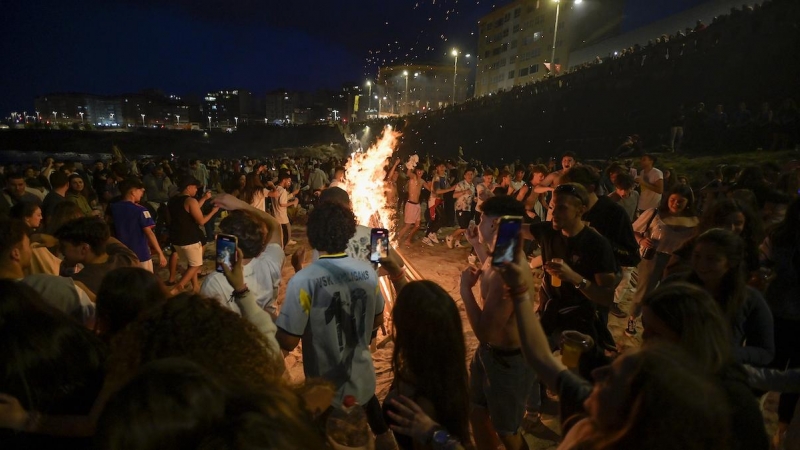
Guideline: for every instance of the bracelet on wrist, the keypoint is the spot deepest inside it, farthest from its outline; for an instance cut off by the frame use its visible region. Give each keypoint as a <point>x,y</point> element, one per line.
<point>241,292</point>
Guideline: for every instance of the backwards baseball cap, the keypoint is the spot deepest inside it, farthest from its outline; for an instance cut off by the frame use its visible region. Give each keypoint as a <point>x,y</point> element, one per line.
<point>187,181</point>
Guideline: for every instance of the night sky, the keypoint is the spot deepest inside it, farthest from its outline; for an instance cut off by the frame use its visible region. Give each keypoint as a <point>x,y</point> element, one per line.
<point>193,46</point>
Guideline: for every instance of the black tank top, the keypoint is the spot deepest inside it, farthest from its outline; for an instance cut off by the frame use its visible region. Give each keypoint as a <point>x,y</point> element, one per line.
<point>183,230</point>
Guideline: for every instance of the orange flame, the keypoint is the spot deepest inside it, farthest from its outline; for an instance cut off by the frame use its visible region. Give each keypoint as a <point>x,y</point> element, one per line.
<point>366,176</point>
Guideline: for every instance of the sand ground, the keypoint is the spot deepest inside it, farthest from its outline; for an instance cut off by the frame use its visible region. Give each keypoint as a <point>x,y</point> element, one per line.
<point>444,266</point>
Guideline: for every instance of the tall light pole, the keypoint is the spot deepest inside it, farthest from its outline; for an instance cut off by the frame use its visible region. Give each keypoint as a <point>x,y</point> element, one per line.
<point>143,125</point>
<point>405,100</point>
<point>237,121</point>
<point>455,74</point>
<point>178,118</point>
<point>81,114</point>
<point>369,85</point>
<point>209,122</point>
<point>555,34</point>
<point>55,116</point>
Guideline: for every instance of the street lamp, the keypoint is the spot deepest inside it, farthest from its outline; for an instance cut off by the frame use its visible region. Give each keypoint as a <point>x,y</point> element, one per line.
<point>455,74</point>
<point>555,34</point>
<point>369,85</point>
<point>178,118</point>
<point>55,117</point>
<point>81,113</point>
<point>143,125</point>
<point>405,100</point>
<point>237,121</point>
<point>209,122</point>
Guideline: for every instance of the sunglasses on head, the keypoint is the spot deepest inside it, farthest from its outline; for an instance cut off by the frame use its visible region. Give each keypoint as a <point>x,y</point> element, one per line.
<point>571,190</point>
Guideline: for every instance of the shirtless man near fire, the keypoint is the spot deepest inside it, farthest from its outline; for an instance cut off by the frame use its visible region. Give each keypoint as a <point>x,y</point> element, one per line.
<point>411,212</point>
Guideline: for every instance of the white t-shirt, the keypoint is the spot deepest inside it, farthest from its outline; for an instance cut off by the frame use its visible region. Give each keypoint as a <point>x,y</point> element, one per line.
<point>64,295</point>
<point>649,199</point>
<point>259,200</point>
<point>357,246</point>
<point>332,304</point>
<point>262,276</point>
<point>281,212</point>
<point>464,203</point>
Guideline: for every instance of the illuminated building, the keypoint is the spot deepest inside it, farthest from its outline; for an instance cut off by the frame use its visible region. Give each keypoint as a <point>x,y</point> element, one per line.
<point>515,43</point>
<point>419,88</point>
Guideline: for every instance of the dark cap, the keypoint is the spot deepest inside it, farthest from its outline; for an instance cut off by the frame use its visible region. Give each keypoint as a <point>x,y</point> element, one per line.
<point>187,181</point>
<point>335,194</point>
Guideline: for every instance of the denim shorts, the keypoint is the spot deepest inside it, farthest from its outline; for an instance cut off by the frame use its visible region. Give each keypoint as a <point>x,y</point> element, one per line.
<point>500,383</point>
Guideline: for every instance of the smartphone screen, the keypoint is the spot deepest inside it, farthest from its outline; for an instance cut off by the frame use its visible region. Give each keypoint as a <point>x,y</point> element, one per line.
<point>379,244</point>
<point>507,240</point>
<point>226,251</point>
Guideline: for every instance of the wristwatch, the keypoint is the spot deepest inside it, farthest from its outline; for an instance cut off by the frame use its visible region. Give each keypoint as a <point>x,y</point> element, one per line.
<point>584,282</point>
<point>440,439</point>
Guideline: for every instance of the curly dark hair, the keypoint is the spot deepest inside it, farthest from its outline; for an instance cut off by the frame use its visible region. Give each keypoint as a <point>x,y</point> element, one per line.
<point>252,234</point>
<point>124,293</point>
<point>176,403</point>
<point>330,226</point>
<point>86,230</point>
<point>199,329</point>
<point>48,361</point>
<point>430,353</point>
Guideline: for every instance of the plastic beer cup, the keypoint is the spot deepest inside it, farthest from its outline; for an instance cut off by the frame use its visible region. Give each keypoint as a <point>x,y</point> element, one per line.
<point>573,344</point>
<point>554,280</point>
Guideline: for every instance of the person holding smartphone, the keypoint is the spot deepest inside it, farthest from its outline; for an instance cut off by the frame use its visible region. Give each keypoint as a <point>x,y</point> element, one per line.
<point>497,412</point>
<point>260,242</point>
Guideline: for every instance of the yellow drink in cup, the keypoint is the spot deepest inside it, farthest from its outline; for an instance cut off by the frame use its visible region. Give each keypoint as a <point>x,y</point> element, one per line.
<point>554,280</point>
<point>573,344</point>
<point>571,354</point>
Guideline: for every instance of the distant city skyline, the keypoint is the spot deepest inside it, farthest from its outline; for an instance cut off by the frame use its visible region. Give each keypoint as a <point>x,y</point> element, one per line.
<point>193,47</point>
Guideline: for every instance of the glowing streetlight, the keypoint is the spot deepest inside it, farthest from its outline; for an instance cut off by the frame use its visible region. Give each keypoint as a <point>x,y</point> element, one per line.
<point>81,114</point>
<point>55,116</point>
<point>178,118</point>
<point>369,85</point>
<point>405,101</point>
<point>142,119</point>
<point>209,122</point>
<point>237,121</point>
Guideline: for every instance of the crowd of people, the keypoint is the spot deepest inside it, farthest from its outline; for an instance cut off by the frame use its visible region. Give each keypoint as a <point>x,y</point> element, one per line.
<point>101,351</point>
